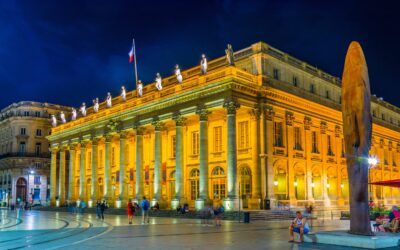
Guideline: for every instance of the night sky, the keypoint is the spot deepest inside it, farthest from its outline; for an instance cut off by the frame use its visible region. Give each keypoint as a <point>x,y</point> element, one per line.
<point>67,52</point>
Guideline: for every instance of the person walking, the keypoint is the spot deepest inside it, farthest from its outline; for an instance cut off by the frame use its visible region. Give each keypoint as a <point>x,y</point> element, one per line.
<point>83,206</point>
<point>144,206</point>
<point>98,208</point>
<point>103,207</point>
<point>130,211</point>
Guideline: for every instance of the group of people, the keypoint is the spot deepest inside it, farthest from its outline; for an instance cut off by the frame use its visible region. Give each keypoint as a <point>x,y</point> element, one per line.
<point>383,223</point>
<point>144,207</point>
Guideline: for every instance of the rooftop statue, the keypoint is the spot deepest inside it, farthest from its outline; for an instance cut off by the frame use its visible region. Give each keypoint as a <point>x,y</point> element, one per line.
<point>123,93</point>
<point>53,121</point>
<point>178,74</point>
<point>203,64</point>
<point>74,114</point>
<point>109,100</point>
<point>229,55</point>
<point>158,82</point>
<point>62,117</point>
<point>83,109</point>
<point>357,132</point>
<point>140,88</point>
<point>96,105</point>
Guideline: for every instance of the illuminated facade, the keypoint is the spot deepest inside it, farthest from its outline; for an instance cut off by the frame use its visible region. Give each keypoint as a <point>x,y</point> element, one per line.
<point>267,128</point>
<point>24,151</point>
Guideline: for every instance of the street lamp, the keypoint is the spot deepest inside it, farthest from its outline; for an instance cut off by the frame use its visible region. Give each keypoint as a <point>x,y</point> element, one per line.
<point>30,172</point>
<point>372,162</point>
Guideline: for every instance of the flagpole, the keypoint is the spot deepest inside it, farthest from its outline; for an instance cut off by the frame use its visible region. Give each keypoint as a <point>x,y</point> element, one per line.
<point>134,57</point>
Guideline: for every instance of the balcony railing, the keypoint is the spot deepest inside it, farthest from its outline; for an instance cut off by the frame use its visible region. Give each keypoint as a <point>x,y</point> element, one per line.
<point>20,154</point>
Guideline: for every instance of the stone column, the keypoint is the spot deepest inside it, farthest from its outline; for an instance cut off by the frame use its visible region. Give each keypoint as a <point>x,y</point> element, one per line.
<point>82,172</point>
<point>61,178</point>
<point>231,106</point>
<point>139,163</point>
<point>157,160</point>
<point>289,146</point>
<point>53,176</point>
<point>107,168</point>
<point>179,184</point>
<point>203,182</point>
<point>123,197</point>
<point>71,175</point>
<point>255,133</point>
<point>93,191</point>
<point>307,150</point>
<point>324,152</point>
<point>269,132</point>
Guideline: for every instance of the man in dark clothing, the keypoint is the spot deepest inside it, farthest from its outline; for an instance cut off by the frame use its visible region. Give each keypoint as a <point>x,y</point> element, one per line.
<point>103,207</point>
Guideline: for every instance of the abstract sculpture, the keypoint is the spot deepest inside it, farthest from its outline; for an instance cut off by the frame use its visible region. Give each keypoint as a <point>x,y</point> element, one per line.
<point>178,74</point>
<point>357,130</point>
<point>203,64</point>
<point>158,82</point>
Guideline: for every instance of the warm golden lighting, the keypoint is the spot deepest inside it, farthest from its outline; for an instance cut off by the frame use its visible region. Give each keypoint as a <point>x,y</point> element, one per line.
<point>275,183</point>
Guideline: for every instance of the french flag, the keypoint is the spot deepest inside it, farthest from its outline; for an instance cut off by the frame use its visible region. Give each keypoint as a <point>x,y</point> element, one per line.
<point>131,54</point>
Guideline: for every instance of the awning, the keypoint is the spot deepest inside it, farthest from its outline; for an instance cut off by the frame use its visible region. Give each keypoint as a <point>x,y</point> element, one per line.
<point>388,183</point>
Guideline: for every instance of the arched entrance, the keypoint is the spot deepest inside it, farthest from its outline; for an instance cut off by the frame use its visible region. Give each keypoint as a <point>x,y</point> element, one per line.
<point>245,185</point>
<point>21,189</point>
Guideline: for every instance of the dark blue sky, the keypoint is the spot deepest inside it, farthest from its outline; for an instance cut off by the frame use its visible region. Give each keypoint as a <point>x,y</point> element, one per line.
<point>68,52</point>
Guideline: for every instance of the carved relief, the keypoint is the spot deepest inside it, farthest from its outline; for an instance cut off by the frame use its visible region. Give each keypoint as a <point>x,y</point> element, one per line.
<point>307,123</point>
<point>231,105</point>
<point>289,118</point>
<point>323,127</point>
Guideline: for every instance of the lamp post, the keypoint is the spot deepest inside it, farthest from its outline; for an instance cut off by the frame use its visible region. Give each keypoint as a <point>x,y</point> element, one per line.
<point>372,162</point>
<point>30,172</point>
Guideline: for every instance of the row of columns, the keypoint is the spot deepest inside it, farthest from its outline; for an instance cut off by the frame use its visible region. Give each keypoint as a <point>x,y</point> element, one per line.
<point>230,105</point>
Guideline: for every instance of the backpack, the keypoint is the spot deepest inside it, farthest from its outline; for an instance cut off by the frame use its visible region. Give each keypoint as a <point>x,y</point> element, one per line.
<point>145,205</point>
<point>221,209</point>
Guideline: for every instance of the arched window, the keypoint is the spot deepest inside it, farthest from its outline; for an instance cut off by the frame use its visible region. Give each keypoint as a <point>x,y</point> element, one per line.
<point>194,184</point>
<point>245,181</point>
<point>218,183</point>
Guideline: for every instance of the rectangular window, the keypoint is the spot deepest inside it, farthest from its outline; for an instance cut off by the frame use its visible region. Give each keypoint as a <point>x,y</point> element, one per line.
<point>38,148</point>
<point>26,113</point>
<point>312,88</point>
<point>327,94</point>
<point>36,180</point>
<point>22,131</point>
<point>297,138</point>
<point>194,188</point>
<point>329,140</point>
<point>195,143</point>
<point>243,135</point>
<point>218,139</point>
<point>295,81</point>
<point>278,132</point>
<point>173,146</point>
<point>314,141</point>
<point>22,147</point>
<point>38,132</point>
<point>276,73</point>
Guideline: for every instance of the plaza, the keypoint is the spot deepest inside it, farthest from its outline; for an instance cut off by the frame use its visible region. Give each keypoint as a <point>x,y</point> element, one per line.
<point>61,230</point>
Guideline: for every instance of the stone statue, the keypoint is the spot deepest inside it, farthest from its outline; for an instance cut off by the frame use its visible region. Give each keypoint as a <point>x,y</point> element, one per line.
<point>140,88</point>
<point>109,100</point>
<point>62,117</point>
<point>74,114</point>
<point>203,64</point>
<point>229,55</point>
<point>123,93</point>
<point>96,105</point>
<point>357,131</point>
<point>158,82</point>
<point>53,121</point>
<point>178,74</point>
<point>83,109</point>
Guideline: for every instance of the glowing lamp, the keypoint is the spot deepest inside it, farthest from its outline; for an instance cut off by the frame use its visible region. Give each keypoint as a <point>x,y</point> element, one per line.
<point>312,184</point>
<point>341,185</point>
<point>328,185</point>
<point>372,161</point>
<point>275,183</point>
<point>295,183</point>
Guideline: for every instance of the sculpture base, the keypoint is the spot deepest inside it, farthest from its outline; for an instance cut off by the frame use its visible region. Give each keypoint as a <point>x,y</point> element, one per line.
<point>231,204</point>
<point>342,238</point>
<point>199,204</point>
<point>174,204</point>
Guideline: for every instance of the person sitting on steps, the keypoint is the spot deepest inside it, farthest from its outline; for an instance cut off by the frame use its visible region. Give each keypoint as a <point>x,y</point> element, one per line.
<point>300,226</point>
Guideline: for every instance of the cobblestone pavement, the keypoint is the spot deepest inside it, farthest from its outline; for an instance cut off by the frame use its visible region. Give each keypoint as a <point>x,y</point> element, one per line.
<point>59,230</point>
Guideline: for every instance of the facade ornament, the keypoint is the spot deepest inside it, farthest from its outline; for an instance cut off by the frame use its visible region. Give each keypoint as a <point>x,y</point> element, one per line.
<point>123,93</point>
<point>123,134</point>
<point>231,105</point>
<point>109,100</point>
<point>74,114</point>
<point>158,82</point>
<point>138,128</point>
<point>83,109</point>
<point>307,123</point>
<point>323,127</point>
<point>229,55</point>
<point>178,74</point>
<point>179,119</point>
<point>390,146</point>
<point>158,125</point>
<point>203,113</point>
<point>140,88</point>
<point>113,125</point>
<point>96,105</point>
<point>289,118</point>
<point>62,118</point>
<point>338,131</point>
<point>382,143</point>
<point>203,64</point>
<point>269,112</point>
<point>53,121</point>
<point>84,144</point>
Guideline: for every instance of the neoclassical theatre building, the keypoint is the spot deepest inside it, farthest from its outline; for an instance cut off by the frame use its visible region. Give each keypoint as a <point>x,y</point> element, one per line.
<point>268,127</point>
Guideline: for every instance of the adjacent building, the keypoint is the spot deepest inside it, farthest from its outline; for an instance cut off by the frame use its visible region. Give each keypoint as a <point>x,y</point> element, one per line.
<point>24,151</point>
<point>268,128</point>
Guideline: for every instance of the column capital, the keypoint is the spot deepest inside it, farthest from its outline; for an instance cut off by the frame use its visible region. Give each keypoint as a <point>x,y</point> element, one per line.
<point>307,123</point>
<point>231,105</point>
<point>158,125</point>
<point>72,146</point>
<point>338,131</point>
<point>179,119</point>
<point>323,127</point>
<point>113,125</point>
<point>84,144</point>
<point>202,112</point>
<point>95,141</point>
<point>123,135</point>
<point>54,149</point>
<point>268,112</point>
<point>108,138</point>
<point>289,118</point>
<point>256,112</point>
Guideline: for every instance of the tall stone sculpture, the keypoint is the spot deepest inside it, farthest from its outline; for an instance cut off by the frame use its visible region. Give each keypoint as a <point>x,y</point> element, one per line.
<point>357,130</point>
